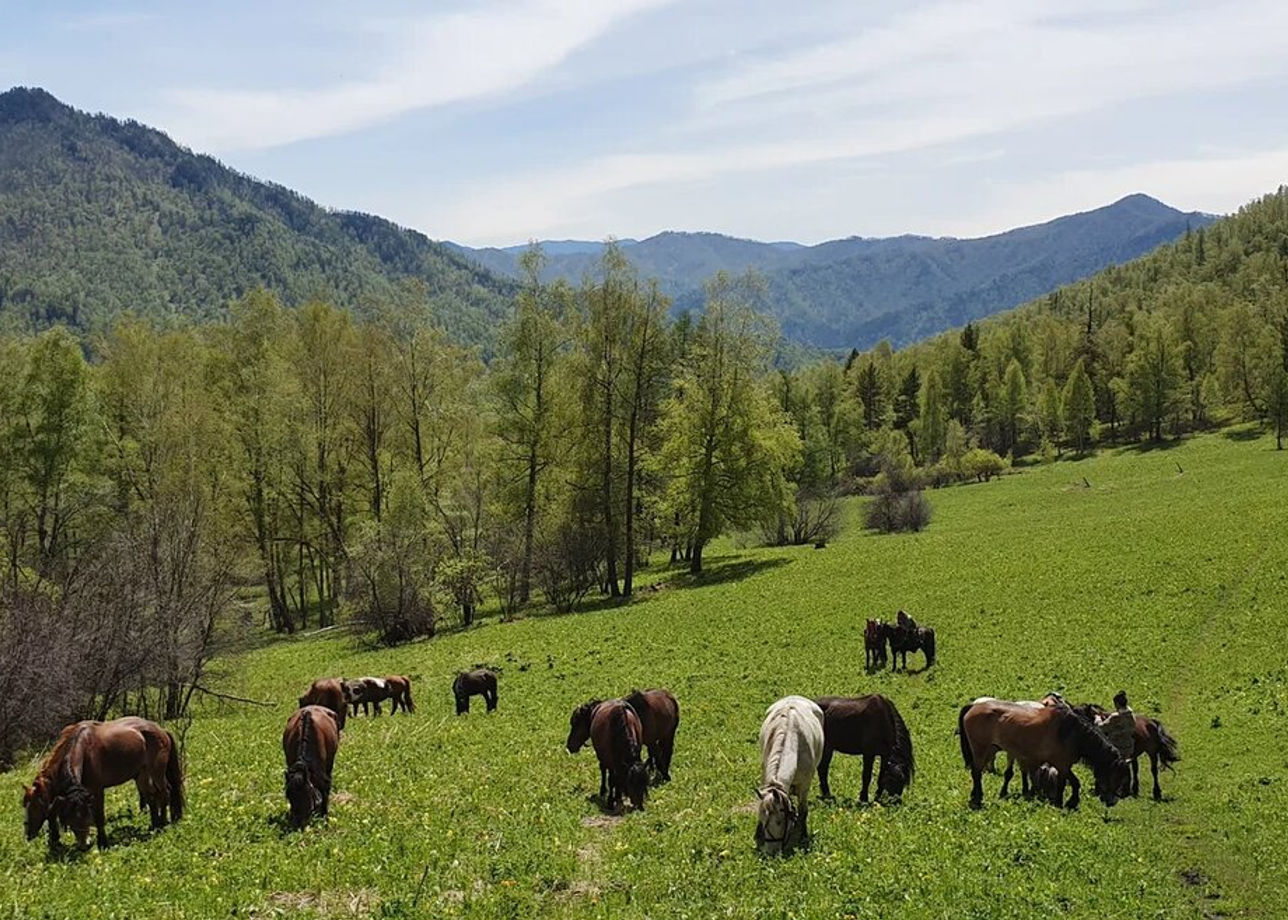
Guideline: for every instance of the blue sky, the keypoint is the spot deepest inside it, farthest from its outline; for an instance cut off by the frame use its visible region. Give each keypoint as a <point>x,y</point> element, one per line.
<point>497,121</point>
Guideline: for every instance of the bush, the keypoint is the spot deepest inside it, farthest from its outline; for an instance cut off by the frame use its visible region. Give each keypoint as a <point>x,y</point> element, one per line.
<point>982,464</point>
<point>897,504</point>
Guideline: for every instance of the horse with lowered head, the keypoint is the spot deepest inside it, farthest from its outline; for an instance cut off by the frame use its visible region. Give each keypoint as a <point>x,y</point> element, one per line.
<point>309,742</point>
<point>1053,735</point>
<point>791,747</point>
<point>478,682</point>
<point>659,714</point>
<point>617,736</point>
<point>331,692</point>
<point>872,727</point>
<point>91,756</point>
<point>1152,740</point>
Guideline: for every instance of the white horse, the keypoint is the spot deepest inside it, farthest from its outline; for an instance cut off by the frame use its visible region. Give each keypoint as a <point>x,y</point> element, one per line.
<point>791,745</point>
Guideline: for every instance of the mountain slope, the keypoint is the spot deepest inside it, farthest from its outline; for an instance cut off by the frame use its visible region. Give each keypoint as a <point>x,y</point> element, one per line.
<point>99,216</point>
<point>854,292</point>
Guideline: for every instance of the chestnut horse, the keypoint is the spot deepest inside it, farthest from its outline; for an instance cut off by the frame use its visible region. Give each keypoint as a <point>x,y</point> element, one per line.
<point>372,691</point>
<point>617,736</point>
<point>1052,735</point>
<point>479,682</point>
<point>310,741</point>
<point>331,692</point>
<point>870,726</point>
<point>91,756</point>
<point>659,714</point>
<point>1152,739</point>
<point>874,645</point>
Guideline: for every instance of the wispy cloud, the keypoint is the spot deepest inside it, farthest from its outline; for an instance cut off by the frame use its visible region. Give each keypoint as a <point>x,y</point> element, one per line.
<point>492,48</point>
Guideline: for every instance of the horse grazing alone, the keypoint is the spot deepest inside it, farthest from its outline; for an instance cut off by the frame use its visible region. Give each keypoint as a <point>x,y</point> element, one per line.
<point>905,639</point>
<point>617,736</point>
<point>310,741</point>
<point>874,645</point>
<point>372,691</point>
<point>659,715</point>
<point>870,726</point>
<point>331,692</point>
<point>1053,735</point>
<point>1152,739</point>
<point>91,756</point>
<point>791,747</point>
<point>479,682</point>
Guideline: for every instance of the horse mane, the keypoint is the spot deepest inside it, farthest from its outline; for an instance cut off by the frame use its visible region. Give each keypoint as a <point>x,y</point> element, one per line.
<point>306,755</point>
<point>629,741</point>
<point>776,760</point>
<point>1090,744</point>
<point>586,709</point>
<point>901,750</point>
<point>57,767</point>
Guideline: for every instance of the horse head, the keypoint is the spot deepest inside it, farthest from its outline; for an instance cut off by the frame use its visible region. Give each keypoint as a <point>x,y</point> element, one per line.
<point>637,784</point>
<point>302,795</point>
<point>775,819</point>
<point>579,725</point>
<point>1111,780</point>
<point>75,808</point>
<point>38,803</point>
<point>892,780</point>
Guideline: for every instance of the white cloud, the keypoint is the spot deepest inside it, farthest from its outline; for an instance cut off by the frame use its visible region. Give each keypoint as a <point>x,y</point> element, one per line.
<point>493,48</point>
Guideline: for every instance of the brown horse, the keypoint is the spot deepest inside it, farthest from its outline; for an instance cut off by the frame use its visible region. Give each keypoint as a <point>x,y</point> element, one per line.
<point>874,645</point>
<point>616,734</point>
<point>1053,735</point>
<point>91,756</point>
<point>310,741</point>
<point>1152,739</point>
<point>372,691</point>
<point>870,726</point>
<point>659,715</point>
<point>331,692</point>
<point>479,682</point>
<point>579,726</point>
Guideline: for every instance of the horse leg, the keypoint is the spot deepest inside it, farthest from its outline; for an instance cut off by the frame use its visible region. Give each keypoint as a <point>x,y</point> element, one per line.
<point>868,760</point>
<point>491,701</point>
<point>100,819</point>
<point>977,786</point>
<point>1075,794</point>
<point>824,764</point>
<point>1006,777</point>
<point>1153,767</point>
<point>1135,777</point>
<point>54,842</point>
<point>1028,783</point>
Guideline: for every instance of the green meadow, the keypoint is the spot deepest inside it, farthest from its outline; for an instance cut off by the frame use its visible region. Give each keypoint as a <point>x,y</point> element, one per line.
<point>1163,572</point>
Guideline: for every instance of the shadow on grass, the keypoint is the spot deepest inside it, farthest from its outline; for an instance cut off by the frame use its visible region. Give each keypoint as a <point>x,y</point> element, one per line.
<point>1243,434</point>
<point>725,571</point>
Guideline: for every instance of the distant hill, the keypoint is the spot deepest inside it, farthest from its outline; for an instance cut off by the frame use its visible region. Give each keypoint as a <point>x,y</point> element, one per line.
<point>98,216</point>
<point>854,292</point>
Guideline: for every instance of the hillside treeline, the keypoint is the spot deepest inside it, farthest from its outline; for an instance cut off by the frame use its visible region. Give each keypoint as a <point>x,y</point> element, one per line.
<point>1192,334</point>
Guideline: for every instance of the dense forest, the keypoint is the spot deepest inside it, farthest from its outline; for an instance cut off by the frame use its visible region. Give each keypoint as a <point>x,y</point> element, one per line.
<point>857,291</point>
<point>100,216</point>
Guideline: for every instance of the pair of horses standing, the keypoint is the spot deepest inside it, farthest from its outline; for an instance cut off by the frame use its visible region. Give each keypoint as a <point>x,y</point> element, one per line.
<point>90,757</point>
<point>618,730</point>
<point>799,736</point>
<point>901,639</point>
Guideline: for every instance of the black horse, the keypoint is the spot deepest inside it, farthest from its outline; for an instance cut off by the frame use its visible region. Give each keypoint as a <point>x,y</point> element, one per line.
<point>479,682</point>
<point>909,637</point>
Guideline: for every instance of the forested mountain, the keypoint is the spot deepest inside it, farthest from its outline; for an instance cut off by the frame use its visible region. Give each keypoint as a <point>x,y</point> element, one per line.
<point>98,216</point>
<point>855,292</point>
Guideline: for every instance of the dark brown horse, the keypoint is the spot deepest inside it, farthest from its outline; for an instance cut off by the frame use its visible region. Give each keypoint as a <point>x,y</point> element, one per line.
<point>331,692</point>
<point>479,682</point>
<point>617,736</point>
<point>370,692</point>
<point>309,742</point>
<point>874,645</point>
<point>872,727</point>
<point>1152,740</point>
<point>91,756</point>
<point>905,639</point>
<point>1052,735</point>
<point>579,725</point>
<point>659,715</point>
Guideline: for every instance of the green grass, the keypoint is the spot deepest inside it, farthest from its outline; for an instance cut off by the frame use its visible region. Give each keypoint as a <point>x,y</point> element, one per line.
<point>1170,585</point>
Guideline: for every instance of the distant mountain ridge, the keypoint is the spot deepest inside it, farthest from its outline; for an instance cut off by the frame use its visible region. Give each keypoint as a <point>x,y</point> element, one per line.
<point>98,216</point>
<point>853,292</point>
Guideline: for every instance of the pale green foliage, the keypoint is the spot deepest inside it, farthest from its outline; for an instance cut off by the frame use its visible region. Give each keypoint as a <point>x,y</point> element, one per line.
<point>1154,375</point>
<point>983,464</point>
<point>1078,412</point>
<point>932,431</point>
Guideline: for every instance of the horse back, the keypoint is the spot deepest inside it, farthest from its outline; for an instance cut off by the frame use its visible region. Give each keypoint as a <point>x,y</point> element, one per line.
<point>116,752</point>
<point>323,735</point>
<point>613,726</point>
<point>857,725</point>
<point>1030,735</point>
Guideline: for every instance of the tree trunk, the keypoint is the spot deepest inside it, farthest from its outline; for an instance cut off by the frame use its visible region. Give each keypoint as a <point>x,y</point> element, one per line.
<point>695,562</point>
<point>529,527</point>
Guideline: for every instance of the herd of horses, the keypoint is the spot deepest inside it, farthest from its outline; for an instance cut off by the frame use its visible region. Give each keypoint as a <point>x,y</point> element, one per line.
<point>798,739</point>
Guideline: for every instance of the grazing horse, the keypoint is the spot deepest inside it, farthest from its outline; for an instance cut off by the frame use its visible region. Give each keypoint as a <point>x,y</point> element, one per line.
<point>791,746</point>
<point>91,756</point>
<point>874,645</point>
<point>579,725</point>
<point>617,736</point>
<point>1026,778</point>
<point>1152,739</point>
<point>871,726</point>
<point>479,682</point>
<point>310,741</point>
<point>331,692</point>
<point>1049,734</point>
<point>904,639</point>
<point>659,714</point>
<point>372,691</point>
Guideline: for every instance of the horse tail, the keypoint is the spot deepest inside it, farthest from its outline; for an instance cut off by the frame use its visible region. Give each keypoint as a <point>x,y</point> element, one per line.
<point>1169,752</point>
<point>411,707</point>
<point>968,758</point>
<point>929,645</point>
<point>174,779</point>
<point>901,751</point>
<point>629,752</point>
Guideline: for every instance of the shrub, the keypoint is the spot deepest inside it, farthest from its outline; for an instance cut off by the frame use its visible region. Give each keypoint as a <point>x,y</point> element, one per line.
<point>897,504</point>
<point>982,464</point>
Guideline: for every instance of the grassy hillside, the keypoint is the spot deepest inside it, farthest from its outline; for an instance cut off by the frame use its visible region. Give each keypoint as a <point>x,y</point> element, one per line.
<point>98,216</point>
<point>1165,577</point>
